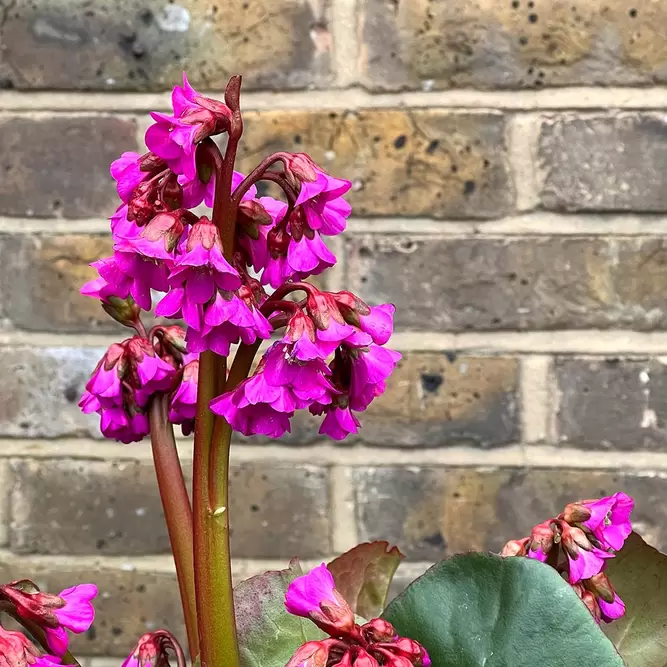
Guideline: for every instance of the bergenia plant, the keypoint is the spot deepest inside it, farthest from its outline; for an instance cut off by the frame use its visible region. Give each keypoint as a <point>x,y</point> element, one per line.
<point>193,239</point>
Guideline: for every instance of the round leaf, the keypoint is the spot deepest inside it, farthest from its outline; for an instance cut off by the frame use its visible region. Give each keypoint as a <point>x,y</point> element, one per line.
<point>480,609</point>
<point>637,573</point>
<point>363,576</point>
<point>268,635</point>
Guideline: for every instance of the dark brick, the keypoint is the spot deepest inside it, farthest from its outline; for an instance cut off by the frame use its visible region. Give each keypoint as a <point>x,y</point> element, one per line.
<point>525,283</point>
<point>604,163</point>
<point>146,44</point>
<point>113,508</point>
<point>131,601</point>
<point>502,44</point>
<point>401,162</point>
<point>612,404</point>
<point>40,391</point>
<point>432,512</point>
<point>41,278</point>
<point>60,165</point>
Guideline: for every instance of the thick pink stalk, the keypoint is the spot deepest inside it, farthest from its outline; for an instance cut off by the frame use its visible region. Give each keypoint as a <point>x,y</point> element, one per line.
<point>177,512</point>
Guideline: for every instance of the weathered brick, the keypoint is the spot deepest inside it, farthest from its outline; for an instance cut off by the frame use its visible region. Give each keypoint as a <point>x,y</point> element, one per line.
<point>612,404</point>
<point>522,283</point>
<point>520,44</point>
<point>605,163</point>
<point>60,165</point>
<point>40,278</point>
<point>40,391</point>
<point>417,162</point>
<point>145,45</point>
<point>431,512</point>
<point>113,508</point>
<point>433,400</point>
<point>130,601</point>
<point>439,399</point>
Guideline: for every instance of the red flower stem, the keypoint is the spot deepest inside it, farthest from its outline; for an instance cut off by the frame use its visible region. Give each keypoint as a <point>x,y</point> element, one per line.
<point>256,175</point>
<point>177,512</point>
<point>215,599</point>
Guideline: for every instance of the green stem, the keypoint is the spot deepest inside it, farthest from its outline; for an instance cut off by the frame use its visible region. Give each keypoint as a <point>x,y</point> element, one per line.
<point>215,598</point>
<point>177,512</point>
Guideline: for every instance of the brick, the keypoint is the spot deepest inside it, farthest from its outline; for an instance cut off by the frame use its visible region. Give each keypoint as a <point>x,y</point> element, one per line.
<point>440,399</point>
<point>604,163</point>
<point>437,44</point>
<point>431,512</point>
<point>519,283</point>
<point>60,166</point>
<point>41,389</point>
<point>145,45</point>
<point>432,400</point>
<point>401,162</point>
<point>113,508</point>
<point>612,404</point>
<point>4,503</point>
<point>130,602</point>
<point>41,278</point>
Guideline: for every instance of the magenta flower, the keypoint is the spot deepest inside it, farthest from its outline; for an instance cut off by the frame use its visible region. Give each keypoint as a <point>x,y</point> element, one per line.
<point>338,422</point>
<point>160,237</point>
<point>610,519</point>
<point>611,610</point>
<point>127,173</point>
<point>76,615</point>
<point>300,334</point>
<point>126,427</point>
<point>326,211</point>
<point>105,384</point>
<point>379,323</point>
<point>294,250</point>
<point>584,560</point>
<point>202,269</point>
<point>183,405</point>
<point>174,138</point>
<point>305,594</point>
<point>537,554</point>
<point>46,661</point>
<point>259,418</point>
<point>121,227</point>
<point>371,367</point>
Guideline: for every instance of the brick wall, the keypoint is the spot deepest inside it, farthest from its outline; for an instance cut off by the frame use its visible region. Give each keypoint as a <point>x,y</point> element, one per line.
<point>509,204</point>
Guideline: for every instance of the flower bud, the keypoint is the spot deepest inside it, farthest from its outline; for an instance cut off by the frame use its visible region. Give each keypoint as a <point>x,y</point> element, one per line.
<point>591,602</point>
<point>574,539</point>
<point>542,537</point>
<point>601,586</point>
<point>250,216</point>
<point>378,630</point>
<point>364,659</point>
<point>323,309</point>
<point>125,311</point>
<point>312,654</point>
<point>515,548</point>
<point>141,207</point>
<point>576,513</point>
<point>300,168</point>
<point>151,162</point>
<point>171,192</point>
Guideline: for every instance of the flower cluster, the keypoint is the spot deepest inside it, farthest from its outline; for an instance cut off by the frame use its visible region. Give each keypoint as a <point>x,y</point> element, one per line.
<point>214,272</point>
<point>152,650</point>
<point>71,610</point>
<point>372,644</point>
<point>578,542</point>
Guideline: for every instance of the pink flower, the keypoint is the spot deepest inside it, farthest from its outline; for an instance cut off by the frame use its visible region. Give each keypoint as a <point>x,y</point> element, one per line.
<point>148,652</point>
<point>610,519</point>
<point>46,661</point>
<point>537,554</point>
<point>76,615</point>
<point>202,269</point>
<point>379,323</point>
<point>301,335</point>
<point>160,237</point>
<point>611,610</point>
<point>183,405</point>
<point>123,425</point>
<point>371,367</point>
<point>306,593</point>
<point>338,423</point>
<point>127,173</point>
<point>584,559</point>
<point>105,384</point>
<point>322,202</point>
<point>174,138</point>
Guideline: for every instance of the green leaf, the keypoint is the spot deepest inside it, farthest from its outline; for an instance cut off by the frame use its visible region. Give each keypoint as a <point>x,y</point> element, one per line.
<point>363,576</point>
<point>268,635</point>
<point>481,609</point>
<point>638,573</point>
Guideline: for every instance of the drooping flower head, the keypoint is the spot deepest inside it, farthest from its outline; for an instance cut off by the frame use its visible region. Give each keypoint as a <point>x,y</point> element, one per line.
<point>578,543</point>
<point>375,643</point>
<point>71,610</point>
